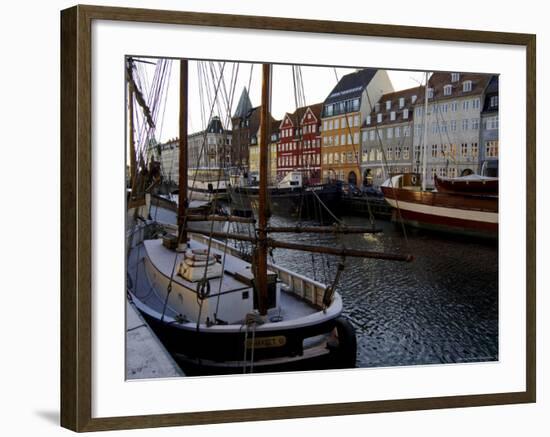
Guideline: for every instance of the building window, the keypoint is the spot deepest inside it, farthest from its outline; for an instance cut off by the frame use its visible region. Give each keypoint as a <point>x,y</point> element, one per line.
<point>392,116</point>
<point>491,149</point>
<point>454,106</point>
<point>464,150</point>
<point>447,90</point>
<point>388,105</point>
<point>493,101</point>
<point>406,131</point>
<point>349,139</point>
<point>475,123</point>
<point>329,110</point>
<point>325,158</point>
<point>389,132</point>
<point>356,121</point>
<point>476,103</point>
<point>398,153</point>
<point>406,152</point>
<point>379,118</point>
<point>453,125</point>
<point>368,119</point>
<point>377,107</point>
<point>356,138</point>
<point>389,154</point>
<point>434,150</point>
<point>405,114</point>
<point>371,134</point>
<point>337,124</point>
<point>364,136</point>
<point>344,123</point>
<point>467,86</point>
<point>417,153</point>
<point>455,77</point>
<point>330,124</point>
<point>466,105</point>
<point>401,102</point>
<point>343,139</point>
<point>430,93</point>
<point>355,105</point>
<point>465,124</point>
<point>492,123</point>
<point>397,132</point>
<point>443,151</point>
<point>475,150</point>
<point>413,99</point>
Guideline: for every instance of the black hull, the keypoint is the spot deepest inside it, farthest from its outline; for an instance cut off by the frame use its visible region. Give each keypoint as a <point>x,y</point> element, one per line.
<point>304,202</point>
<point>205,353</point>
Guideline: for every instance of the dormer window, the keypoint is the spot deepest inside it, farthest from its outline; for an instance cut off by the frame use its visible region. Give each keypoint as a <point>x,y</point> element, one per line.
<point>401,102</point>
<point>455,77</point>
<point>493,102</point>
<point>447,90</point>
<point>379,118</point>
<point>405,114</point>
<point>467,86</point>
<point>430,93</point>
<point>413,99</point>
<point>368,119</point>
<point>377,107</point>
<point>392,116</point>
<point>388,105</point>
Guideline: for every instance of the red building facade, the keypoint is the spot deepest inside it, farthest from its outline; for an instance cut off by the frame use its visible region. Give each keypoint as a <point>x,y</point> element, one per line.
<point>299,148</point>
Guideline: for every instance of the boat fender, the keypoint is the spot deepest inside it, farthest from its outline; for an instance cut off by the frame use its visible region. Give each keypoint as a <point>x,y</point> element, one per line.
<point>347,343</point>
<point>203,289</point>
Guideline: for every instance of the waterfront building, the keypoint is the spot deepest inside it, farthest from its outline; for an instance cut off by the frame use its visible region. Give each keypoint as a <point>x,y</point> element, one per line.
<point>488,138</point>
<point>344,111</point>
<point>387,137</point>
<point>245,124</point>
<point>299,147</point>
<point>254,154</point>
<point>273,149</point>
<point>209,148</point>
<point>453,121</point>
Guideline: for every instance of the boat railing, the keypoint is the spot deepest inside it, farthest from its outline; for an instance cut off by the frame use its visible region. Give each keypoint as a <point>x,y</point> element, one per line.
<point>301,286</point>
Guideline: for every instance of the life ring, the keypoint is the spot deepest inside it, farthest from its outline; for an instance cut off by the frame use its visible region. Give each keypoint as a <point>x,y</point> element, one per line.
<point>346,354</point>
<point>413,179</point>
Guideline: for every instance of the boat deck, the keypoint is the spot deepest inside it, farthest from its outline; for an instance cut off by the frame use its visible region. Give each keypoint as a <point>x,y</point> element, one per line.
<point>290,306</point>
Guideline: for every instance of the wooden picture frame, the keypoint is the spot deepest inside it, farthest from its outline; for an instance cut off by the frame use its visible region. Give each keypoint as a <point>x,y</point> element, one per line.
<point>76,218</point>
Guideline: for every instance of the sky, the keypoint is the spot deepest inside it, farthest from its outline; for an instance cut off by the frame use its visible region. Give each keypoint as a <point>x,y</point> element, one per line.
<point>317,84</point>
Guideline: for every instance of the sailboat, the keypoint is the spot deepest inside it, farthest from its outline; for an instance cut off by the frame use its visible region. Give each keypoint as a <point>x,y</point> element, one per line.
<point>217,313</point>
<point>465,205</point>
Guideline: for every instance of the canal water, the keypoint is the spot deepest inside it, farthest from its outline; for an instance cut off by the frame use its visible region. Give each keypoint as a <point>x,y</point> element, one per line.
<point>440,308</point>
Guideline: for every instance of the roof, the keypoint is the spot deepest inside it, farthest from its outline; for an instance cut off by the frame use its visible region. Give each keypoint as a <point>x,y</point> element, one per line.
<point>438,81</point>
<point>351,85</point>
<point>490,91</point>
<point>244,106</point>
<point>394,97</point>
<point>298,114</point>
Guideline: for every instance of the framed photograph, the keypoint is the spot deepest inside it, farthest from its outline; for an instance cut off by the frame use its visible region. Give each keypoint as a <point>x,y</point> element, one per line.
<point>341,215</point>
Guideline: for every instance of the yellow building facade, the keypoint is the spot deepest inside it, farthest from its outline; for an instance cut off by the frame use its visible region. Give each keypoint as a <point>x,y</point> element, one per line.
<point>340,142</point>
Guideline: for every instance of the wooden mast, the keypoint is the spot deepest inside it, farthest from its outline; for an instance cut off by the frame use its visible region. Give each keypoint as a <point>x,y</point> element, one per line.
<point>133,165</point>
<point>261,247</point>
<point>182,195</point>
